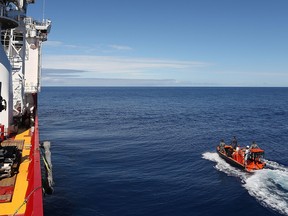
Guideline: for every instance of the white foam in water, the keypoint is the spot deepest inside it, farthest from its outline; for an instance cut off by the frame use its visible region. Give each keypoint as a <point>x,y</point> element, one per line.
<point>275,165</point>
<point>268,186</point>
<point>222,166</point>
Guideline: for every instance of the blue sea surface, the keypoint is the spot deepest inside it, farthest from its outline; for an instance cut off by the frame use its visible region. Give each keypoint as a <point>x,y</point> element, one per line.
<point>151,151</point>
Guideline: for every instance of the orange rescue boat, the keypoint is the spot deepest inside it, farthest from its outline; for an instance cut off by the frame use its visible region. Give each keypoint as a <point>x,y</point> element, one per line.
<point>243,158</point>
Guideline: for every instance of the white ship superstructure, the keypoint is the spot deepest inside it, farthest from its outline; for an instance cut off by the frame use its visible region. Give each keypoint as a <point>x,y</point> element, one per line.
<point>6,106</point>
<point>36,33</point>
<point>23,47</point>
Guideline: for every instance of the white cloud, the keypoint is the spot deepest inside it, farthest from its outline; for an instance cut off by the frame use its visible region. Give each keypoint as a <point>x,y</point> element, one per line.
<point>60,44</point>
<point>116,65</point>
<point>116,70</point>
<point>120,47</point>
<point>53,43</point>
<point>56,81</point>
<point>99,47</point>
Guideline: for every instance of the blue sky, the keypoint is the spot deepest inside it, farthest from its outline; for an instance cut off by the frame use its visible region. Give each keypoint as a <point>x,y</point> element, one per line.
<point>165,43</point>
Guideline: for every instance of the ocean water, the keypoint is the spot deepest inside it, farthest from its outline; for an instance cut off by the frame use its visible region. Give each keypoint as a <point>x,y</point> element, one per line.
<point>151,151</point>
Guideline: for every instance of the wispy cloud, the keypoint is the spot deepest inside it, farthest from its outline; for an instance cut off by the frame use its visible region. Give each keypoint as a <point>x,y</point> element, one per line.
<point>60,44</point>
<point>49,73</point>
<point>101,48</point>
<point>53,43</point>
<point>132,71</point>
<point>112,70</point>
<point>116,65</point>
<point>120,47</point>
<point>68,81</point>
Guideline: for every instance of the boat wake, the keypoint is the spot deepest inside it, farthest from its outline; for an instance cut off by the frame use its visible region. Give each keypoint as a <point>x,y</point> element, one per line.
<point>268,186</point>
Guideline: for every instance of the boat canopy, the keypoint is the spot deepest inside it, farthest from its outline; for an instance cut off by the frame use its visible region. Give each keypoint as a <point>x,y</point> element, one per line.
<point>257,150</point>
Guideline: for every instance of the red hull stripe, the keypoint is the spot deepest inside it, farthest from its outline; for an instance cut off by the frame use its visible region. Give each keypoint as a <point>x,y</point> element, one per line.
<point>34,195</point>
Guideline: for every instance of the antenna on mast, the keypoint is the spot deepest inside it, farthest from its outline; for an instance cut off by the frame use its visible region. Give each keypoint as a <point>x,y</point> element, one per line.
<point>43,10</point>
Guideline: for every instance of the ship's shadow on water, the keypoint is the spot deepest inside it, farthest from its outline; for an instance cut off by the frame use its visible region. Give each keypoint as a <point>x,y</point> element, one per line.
<point>151,151</point>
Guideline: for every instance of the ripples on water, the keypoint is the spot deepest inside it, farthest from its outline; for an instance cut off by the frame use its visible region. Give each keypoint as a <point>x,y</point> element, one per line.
<point>139,151</point>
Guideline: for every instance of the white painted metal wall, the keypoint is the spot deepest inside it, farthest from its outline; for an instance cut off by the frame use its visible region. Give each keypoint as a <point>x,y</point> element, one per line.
<point>6,116</point>
<point>32,67</point>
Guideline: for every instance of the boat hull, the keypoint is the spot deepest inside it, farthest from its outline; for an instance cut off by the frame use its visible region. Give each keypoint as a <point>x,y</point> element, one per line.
<point>230,160</point>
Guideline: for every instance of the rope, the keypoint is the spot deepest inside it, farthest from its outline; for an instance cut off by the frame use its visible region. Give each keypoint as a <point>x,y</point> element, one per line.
<point>44,159</point>
<point>26,200</point>
<point>46,164</point>
<point>28,197</point>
